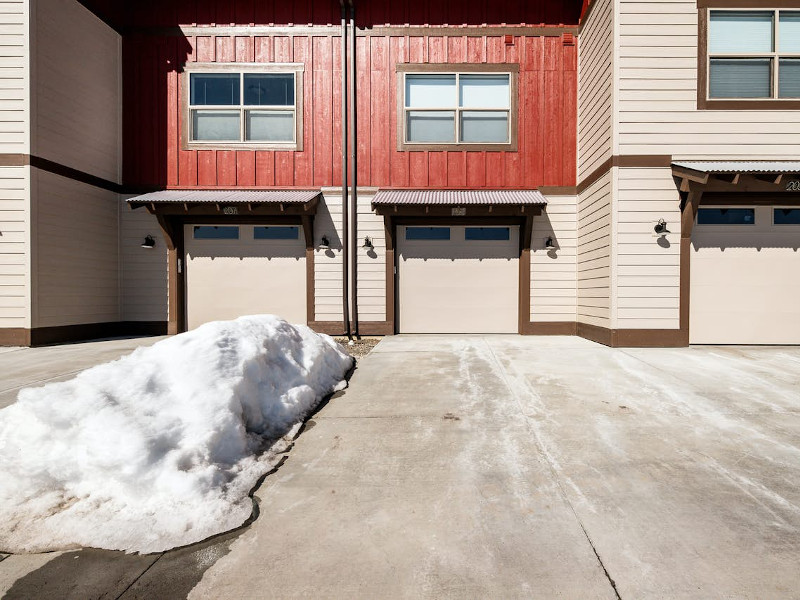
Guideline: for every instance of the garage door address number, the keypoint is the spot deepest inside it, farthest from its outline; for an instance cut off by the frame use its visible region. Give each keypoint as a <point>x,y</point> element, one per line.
<point>793,185</point>
<point>458,211</point>
<point>230,210</point>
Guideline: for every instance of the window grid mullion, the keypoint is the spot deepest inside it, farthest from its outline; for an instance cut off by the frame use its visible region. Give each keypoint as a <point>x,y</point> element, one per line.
<point>457,114</point>
<point>775,48</point>
<point>241,108</point>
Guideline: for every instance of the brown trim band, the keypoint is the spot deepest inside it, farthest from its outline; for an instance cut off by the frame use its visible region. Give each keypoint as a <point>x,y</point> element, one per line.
<point>641,161</point>
<point>364,327</point>
<point>634,338</point>
<point>550,328</point>
<point>558,190</point>
<point>43,336</point>
<point>15,336</point>
<point>23,160</point>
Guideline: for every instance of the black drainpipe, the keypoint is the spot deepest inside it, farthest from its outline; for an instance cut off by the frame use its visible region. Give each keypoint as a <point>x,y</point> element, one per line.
<point>354,167</point>
<point>345,240</point>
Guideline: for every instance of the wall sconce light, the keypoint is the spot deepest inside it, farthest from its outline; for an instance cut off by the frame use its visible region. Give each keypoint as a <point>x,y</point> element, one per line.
<point>325,243</point>
<point>149,242</point>
<point>661,227</point>
<point>549,244</point>
<point>367,243</point>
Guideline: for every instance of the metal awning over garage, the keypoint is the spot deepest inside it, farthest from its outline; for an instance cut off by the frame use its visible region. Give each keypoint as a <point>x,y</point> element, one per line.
<point>741,166</point>
<point>244,201</point>
<point>459,202</point>
<point>758,175</point>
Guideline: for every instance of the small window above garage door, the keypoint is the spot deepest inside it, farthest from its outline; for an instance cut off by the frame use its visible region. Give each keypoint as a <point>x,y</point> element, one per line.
<point>726,216</point>
<point>786,216</point>
<point>428,233</point>
<point>273,232</point>
<point>488,234</point>
<point>215,232</point>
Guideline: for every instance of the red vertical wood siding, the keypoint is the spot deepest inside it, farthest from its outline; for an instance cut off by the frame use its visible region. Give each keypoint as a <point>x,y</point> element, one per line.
<point>546,119</point>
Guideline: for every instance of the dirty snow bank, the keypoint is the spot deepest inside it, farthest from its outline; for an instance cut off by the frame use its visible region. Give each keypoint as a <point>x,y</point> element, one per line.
<point>159,448</point>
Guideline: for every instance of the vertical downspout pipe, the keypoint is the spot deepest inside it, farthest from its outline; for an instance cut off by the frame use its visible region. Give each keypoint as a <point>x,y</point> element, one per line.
<point>354,167</point>
<point>345,237</point>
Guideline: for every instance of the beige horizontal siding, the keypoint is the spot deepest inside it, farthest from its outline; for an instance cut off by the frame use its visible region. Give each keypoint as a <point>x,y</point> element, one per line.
<point>14,79</point>
<point>78,89</point>
<point>553,272</point>
<point>594,234</point>
<point>657,90</point>
<point>371,264</point>
<point>143,272</point>
<point>595,86</point>
<point>15,256</point>
<point>328,263</point>
<point>647,266</point>
<point>76,265</point>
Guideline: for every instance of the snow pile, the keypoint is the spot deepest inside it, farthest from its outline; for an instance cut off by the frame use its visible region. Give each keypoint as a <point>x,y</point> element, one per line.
<point>159,448</point>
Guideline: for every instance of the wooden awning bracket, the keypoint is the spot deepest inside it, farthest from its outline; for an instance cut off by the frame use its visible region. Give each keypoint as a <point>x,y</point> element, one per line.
<point>732,178</point>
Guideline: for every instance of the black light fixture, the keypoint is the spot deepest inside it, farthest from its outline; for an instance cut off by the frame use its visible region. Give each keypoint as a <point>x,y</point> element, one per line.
<point>325,243</point>
<point>149,242</point>
<point>661,227</point>
<point>549,244</point>
<point>367,243</point>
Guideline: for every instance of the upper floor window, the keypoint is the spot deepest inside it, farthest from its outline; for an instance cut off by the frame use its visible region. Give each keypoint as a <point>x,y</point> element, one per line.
<point>753,55</point>
<point>244,105</point>
<point>464,107</point>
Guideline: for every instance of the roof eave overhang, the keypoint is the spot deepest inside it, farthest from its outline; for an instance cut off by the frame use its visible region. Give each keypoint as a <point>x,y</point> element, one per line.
<point>458,203</point>
<point>458,210</point>
<point>729,178</point>
<point>228,206</point>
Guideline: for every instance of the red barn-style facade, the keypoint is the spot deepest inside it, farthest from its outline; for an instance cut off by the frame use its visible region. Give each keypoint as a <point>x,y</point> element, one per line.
<point>521,59</point>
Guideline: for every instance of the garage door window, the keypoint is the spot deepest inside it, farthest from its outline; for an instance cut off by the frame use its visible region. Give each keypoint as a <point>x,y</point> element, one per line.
<point>215,232</point>
<point>726,216</point>
<point>276,233</point>
<point>487,233</point>
<point>786,216</point>
<point>427,233</point>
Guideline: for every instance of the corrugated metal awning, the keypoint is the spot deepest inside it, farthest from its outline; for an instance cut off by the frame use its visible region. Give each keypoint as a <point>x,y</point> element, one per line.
<point>459,197</point>
<point>225,197</point>
<point>741,166</point>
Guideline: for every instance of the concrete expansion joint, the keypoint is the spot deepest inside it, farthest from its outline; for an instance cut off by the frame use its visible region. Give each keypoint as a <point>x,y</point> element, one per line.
<point>600,560</point>
<point>131,584</point>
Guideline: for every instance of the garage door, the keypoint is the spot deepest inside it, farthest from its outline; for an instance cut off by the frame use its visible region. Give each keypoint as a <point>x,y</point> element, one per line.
<point>458,279</point>
<point>236,270</point>
<point>745,276</point>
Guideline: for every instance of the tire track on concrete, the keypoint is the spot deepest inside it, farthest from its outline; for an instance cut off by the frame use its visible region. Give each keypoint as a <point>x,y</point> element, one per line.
<point>551,463</point>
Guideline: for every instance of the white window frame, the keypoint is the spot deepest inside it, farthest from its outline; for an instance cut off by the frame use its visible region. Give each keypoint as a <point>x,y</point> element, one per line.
<point>295,69</point>
<point>773,56</point>
<point>509,69</point>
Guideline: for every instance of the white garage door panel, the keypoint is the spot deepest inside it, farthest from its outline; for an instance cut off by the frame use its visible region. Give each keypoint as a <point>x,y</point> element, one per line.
<point>745,285</point>
<point>458,285</point>
<point>226,279</point>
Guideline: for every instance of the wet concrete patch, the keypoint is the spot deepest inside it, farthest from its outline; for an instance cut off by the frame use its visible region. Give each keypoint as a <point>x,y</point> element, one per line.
<point>81,575</point>
<point>178,571</point>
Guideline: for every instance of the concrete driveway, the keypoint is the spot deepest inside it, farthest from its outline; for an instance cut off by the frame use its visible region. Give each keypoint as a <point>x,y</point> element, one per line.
<point>502,466</point>
<point>26,367</point>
